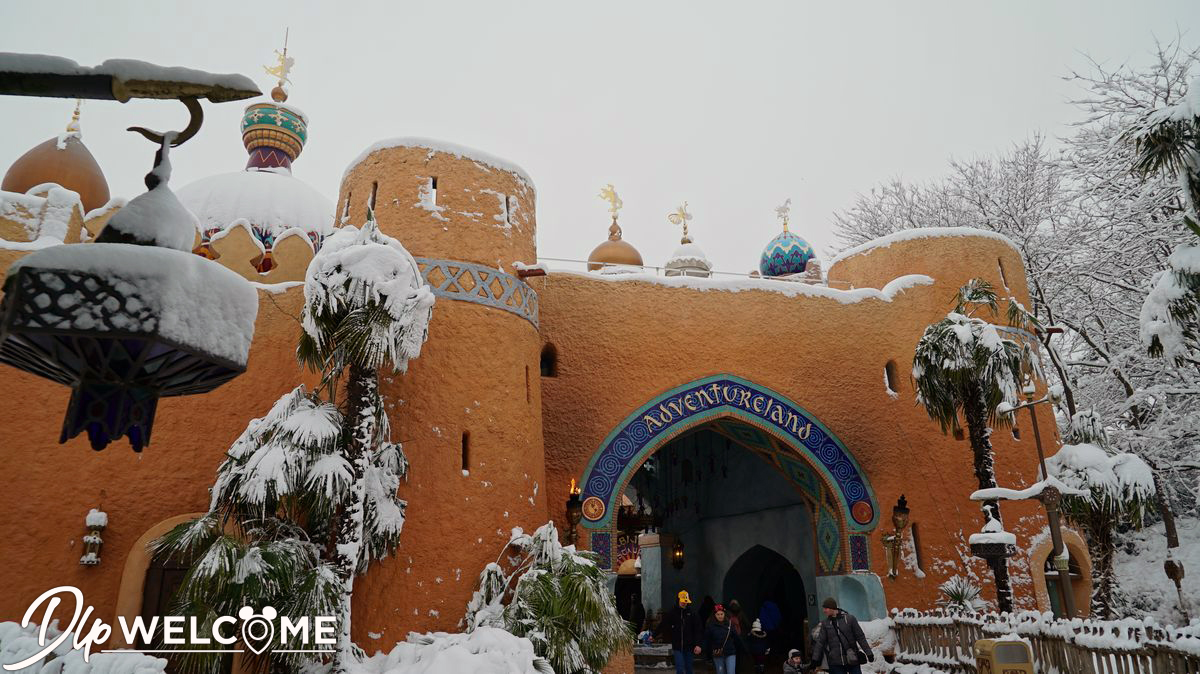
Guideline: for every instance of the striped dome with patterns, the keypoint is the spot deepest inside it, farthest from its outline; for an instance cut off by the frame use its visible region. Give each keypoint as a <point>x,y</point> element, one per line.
<point>785,254</point>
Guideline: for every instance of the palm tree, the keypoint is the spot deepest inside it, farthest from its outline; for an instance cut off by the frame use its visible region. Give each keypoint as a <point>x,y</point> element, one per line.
<point>556,597</point>
<point>306,497</point>
<point>964,368</point>
<point>1117,488</point>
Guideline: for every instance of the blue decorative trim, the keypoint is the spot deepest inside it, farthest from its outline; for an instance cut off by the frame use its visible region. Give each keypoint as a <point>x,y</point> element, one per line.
<point>469,282</point>
<point>669,414</point>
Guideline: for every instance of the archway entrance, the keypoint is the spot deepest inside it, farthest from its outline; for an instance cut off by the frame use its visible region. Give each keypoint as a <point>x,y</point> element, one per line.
<point>769,587</point>
<point>787,479</point>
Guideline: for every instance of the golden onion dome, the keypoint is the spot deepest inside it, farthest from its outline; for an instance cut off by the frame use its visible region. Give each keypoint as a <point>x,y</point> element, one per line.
<point>65,161</point>
<point>615,251</point>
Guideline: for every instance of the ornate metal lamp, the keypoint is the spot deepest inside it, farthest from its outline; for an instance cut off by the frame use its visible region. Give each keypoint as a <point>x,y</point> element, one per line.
<point>677,558</point>
<point>110,320</point>
<point>891,542</point>
<point>574,513</point>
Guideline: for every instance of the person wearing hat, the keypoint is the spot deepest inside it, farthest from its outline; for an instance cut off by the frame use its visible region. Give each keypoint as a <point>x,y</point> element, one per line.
<point>722,642</point>
<point>840,640</point>
<point>682,627</point>
<point>794,663</point>
<point>758,646</point>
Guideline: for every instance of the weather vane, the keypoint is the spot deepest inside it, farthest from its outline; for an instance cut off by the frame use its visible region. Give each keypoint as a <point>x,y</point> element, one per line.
<point>783,211</point>
<point>609,194</point>
<point>681,217</point>
<point>283,65</point>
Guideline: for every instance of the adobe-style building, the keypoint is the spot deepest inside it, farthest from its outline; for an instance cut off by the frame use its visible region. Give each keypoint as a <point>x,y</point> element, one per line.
<point>739,437</point>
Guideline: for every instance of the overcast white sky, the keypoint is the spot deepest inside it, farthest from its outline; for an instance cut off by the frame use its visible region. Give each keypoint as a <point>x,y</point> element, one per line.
<point>732,106</point>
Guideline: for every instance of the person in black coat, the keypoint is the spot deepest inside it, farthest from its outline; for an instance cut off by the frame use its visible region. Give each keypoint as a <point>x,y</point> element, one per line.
<point>722,642</point>
<point>840,640</point>
<point>681,626</point>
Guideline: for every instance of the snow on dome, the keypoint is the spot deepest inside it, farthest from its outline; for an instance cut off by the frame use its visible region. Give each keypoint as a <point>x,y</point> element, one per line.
<point>270,201</point>
<point>785,254</point>
<point>461,151</point>
<point>688,260</point>
<point>920,233</point>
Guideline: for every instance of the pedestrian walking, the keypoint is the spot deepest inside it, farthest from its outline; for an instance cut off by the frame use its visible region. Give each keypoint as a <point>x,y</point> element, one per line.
<point>758,646</point>
<point>722,642</point>
<point>681,626</point>
<point>840,641</point>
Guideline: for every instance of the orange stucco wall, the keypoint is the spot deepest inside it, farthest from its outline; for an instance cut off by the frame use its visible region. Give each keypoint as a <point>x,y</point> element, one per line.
<point>619,344</point>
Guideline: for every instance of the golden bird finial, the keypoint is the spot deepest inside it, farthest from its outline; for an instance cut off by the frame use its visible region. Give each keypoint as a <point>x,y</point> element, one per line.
<point>609,194</point>
<point>681,217</point>
<point>281,70</point>
<point>782,212</point>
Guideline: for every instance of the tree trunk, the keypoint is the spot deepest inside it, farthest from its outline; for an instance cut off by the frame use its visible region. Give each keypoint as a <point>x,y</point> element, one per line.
<point>359,427</point>
<point>1102,548</point>
<point>975,411</point>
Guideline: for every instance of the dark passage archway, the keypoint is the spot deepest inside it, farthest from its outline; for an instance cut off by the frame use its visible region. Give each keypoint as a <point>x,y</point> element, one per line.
<point>760,575</point>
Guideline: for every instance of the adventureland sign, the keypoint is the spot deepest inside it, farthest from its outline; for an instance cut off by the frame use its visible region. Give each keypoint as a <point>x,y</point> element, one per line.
<point>716,394</point>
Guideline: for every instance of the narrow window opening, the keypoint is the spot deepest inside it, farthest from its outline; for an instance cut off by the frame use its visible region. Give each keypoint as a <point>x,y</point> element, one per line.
<point>1003,276</point>
<point>959,435</point>
<point>433,189</point>
<point>549,361</point>
<point>916,545</point>
<point>346,206</point>
<point>466,452</point>
<point>510,205</point>
<point>371,199</point>
<point>889,376</point>
<point>1016,431</point>
<point>528,397</point>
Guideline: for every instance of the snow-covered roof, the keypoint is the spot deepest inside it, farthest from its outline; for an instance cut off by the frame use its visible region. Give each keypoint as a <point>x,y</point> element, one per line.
<point>268,199</point>
<point>462,151</point>
<point>127,70</point>
<point>920,233</point>
<point>688,255</point>
<point>734,285</point>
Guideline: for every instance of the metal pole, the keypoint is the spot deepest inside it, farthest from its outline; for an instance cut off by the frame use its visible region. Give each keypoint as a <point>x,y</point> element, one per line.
<point>1052,518</point>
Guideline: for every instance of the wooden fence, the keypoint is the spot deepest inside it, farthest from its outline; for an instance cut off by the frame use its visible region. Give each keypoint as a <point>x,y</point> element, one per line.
<point>946,641</point>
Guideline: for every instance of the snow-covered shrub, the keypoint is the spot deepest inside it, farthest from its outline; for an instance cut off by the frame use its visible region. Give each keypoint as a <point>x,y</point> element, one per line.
<point>486,649</point>
<point>556,597</point>
<point>961,596</point>
<point>18,643</point>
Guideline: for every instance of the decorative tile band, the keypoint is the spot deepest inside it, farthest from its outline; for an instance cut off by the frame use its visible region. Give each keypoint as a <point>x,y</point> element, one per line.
<point>469,282</point>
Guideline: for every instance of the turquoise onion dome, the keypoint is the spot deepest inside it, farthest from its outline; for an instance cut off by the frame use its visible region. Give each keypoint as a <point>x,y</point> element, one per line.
<point>785,254</point>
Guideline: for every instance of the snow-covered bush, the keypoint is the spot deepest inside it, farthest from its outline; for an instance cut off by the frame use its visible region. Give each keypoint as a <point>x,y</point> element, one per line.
<point>556,597</point>
<point>486,649</point>
<point>18,643</point>
<point>960,595</point>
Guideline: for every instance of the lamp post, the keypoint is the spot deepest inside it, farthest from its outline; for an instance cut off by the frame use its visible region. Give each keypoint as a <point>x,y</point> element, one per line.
<point>574,514</point>
<point>891,542</point>
<point>1050,498</point>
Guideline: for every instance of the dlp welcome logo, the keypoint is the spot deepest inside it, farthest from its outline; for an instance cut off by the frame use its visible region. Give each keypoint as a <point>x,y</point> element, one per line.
<point>257,631</point>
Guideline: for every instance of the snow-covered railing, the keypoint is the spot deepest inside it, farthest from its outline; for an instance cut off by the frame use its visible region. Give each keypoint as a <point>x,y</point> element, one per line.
<point>946,641</point>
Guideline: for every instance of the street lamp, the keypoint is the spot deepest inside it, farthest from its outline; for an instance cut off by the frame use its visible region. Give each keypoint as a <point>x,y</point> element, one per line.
<point>891,542</point>
<point>1050,497</point>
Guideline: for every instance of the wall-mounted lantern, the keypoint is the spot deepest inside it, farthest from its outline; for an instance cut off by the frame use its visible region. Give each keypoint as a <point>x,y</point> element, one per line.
<point>574,513</point>
<point>96,521</point>
<point>677,555</point>
<point>891,542</point>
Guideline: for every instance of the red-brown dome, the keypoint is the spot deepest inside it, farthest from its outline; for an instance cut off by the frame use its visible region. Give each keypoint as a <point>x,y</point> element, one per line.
<point>72,167</point>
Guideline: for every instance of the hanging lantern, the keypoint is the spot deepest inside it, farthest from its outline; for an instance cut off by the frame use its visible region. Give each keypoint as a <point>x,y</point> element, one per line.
<point>96,521</point>
<point>677,555</point>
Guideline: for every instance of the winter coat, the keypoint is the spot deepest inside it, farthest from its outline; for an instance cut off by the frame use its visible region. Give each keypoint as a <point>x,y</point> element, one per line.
<point>769,616</point>
<point>682,626</point>
<point>756,645</point>
<point>837,635</point>
<point>723,636</point>
<point>789,668</point>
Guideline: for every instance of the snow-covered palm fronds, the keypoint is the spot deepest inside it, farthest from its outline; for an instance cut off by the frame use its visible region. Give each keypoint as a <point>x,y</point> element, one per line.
<point>365,303</point>
<point>1114,481</point>
<point>556,597</point>
<point>960,595</point>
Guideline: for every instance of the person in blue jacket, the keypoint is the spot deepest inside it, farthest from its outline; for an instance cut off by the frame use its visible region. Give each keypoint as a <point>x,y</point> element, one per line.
<point>722,642</point>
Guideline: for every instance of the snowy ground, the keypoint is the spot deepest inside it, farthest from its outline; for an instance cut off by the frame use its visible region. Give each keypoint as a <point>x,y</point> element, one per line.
<point>1140,577</point>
